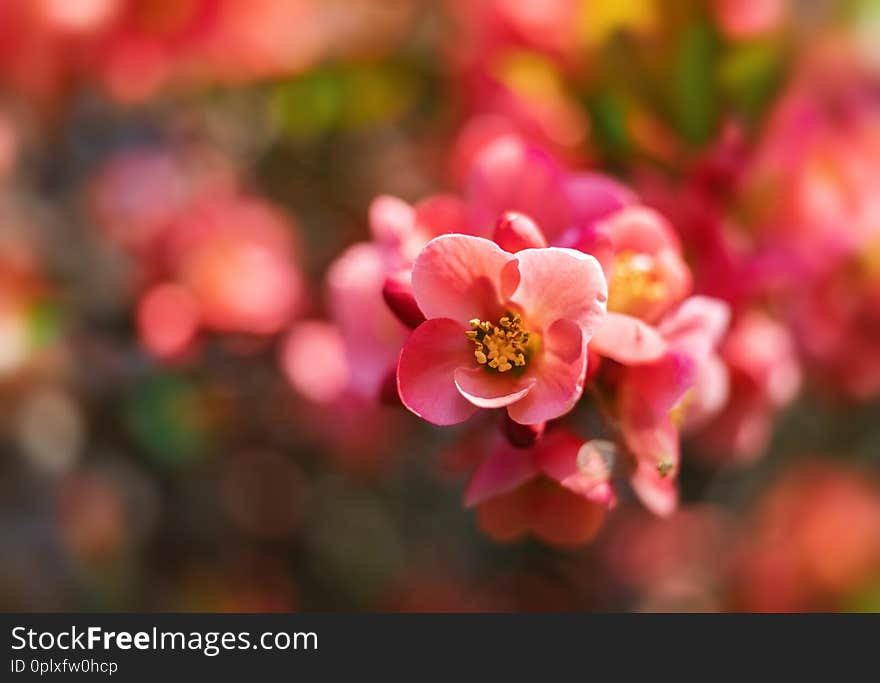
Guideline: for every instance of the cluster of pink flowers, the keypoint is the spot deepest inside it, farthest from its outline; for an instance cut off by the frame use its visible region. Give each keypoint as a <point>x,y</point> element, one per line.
<point>597,324</point>
<point>581,326</point>
<point>135,49</point>
<point>535,290</point>
<point>211,256</point>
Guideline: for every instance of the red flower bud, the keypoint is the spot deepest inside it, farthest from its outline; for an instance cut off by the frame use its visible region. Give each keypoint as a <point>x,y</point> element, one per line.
<point>398,294</point>
<point>388,394</point>
<point>522,436</point>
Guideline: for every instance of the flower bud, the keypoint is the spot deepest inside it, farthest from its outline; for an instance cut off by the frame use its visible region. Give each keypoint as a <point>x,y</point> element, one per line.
<point>398,294</point>
<point>522,436</point>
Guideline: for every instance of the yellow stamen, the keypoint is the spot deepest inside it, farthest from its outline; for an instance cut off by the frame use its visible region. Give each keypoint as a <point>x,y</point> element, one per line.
<point>680,410</point>
<point>634,282</point>
<point>501,346</point>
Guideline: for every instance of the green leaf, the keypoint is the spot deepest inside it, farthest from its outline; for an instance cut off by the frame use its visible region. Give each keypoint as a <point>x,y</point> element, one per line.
<point>694,84</point>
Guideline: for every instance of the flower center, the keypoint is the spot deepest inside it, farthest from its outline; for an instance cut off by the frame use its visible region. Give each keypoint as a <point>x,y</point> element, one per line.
<point>502,346</point>
<point>634,283</point>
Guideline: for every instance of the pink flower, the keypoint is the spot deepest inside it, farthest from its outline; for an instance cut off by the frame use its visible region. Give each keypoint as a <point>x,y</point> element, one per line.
<point>684,387</point>
<point>647,275</point>
<point>647,399</point>
<point>371,334</point>
<point>401,230</point>
<point>673,564</point>
<point>765,376</point>
<point>506,175</point>
<point>502,330</point>
<point>236,255</point>
<point>557,490</point>
<point>697,328</point>
<point>813,541</point>
<point>369,278</point>
<point>561,455</point>
<point>810,186</point>
<point>341,410</point>
<point>140,193</point>
<point>313,359</point>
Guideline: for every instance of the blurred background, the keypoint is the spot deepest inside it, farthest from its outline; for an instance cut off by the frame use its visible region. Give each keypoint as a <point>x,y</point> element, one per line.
<point>177,179</point>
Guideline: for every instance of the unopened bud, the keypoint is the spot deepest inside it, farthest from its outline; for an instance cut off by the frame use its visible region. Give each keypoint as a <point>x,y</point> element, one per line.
<point>398,294</point>
<point>522,436</point>
<point>388,394</point>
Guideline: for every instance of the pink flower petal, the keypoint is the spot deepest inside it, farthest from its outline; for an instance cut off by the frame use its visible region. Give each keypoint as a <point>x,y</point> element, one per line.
<point>594,196</point>
<point>505,469</point>
<point>660,385</point>
<point>697,316</point>
<point>373,335</point>
<point>642,230</point>
<point>442,214</point>
<point>711,391</point>
<point>565,340</point>
<point>425,373</point>
<point>391,219</point>
<point>508,175</point>
<point>560,283</point>
<point>487,389</point>
<point>559,384</point>
<point>628,340</point>
<point>647,395</point>
<point>463,277</point>
<point>556,454</point>
<point>658,494</point>
<point>596,241</point>
<point>653,442</point>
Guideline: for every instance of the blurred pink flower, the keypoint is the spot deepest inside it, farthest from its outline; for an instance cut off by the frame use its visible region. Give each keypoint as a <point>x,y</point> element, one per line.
<point>502,330</point>
<point>549,490</point>
<point>765,376</point>
<point>681,563</point>
<point>371,335</point>
<point>135,50</point>
<point>513,59</point>
<point>810,187</point>
<point>236,255</point>
<point>357,430</point>
<point>684,387</point>
<point>368,285</point>
<point>314,360</point>
<point>560,455</point>
<point>646,272</point>
<point>506,174</point>
<point>139,192</point>
<point>839,320</point>
<point>813,540</point>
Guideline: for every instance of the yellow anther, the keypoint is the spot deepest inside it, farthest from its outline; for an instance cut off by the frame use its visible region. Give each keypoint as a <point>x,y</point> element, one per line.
<point>679,412</point>
<point>500,347</point>
<point>634,282</point>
